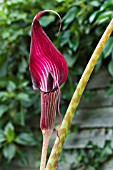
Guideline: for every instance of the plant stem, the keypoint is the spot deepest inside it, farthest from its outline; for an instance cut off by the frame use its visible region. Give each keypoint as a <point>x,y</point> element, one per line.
<point>57,148</point>
<point>46,138</point>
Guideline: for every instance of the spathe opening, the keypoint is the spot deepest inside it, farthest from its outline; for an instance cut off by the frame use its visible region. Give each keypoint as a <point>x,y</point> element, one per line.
<point>50,82</point>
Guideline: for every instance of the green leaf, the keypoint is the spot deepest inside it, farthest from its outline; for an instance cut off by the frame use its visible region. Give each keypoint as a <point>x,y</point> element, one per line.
<point>11,86</point>
<point>5,34</point>
<point>3,82</point>
<point>70,15</point>
<point>2,136</point>
<point>23,83</point>
<point>95,3</point>
<point>93,16</point>
<point>108,47</point>
<point>9,151</point>
<point>5,95</point>
<point>26,139</point>
<point>59,0</point>
<point>70,59</point>
<point>9,132</point>
<point>46,20</point>
<point>65,39</point>
<point>104,16</point>
<point>110,67</point>
<point>110,90</point>
<point>103,20</point>
<point>3,109</point>
<point>3,69</point>
<point>23,65</point>
<point>74,42</point>
<point>23,96</point>
<point>106,4</point>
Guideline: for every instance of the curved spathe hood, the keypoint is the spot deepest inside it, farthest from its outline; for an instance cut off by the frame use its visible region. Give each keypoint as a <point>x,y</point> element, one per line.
<point>48,66</point>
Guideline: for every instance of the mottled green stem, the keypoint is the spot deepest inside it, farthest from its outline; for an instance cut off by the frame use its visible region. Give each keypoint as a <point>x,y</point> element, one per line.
<point>57,148</point>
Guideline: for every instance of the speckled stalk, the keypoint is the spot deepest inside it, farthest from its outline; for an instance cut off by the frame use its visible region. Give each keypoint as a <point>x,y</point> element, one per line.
<point>57,148</point>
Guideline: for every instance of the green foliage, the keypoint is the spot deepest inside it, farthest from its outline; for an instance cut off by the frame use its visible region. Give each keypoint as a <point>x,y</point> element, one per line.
<point>92,158</point>
<point>108,48</point>
<point>110,90</point>
<point>83,24</point>
<point>110,67</point>
<point>9,151</point>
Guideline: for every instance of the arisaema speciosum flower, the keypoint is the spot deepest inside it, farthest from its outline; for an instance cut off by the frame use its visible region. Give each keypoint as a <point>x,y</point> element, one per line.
<point>49,71</point>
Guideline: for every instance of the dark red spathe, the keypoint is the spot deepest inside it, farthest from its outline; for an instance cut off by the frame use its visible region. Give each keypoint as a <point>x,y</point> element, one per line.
<point>48,69</point>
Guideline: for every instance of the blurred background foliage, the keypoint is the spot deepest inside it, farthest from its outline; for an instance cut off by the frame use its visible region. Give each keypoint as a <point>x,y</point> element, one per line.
<point>84,21</point>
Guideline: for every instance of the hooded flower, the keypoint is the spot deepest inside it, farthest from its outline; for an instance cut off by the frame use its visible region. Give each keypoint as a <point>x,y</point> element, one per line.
<point>48,70</point>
